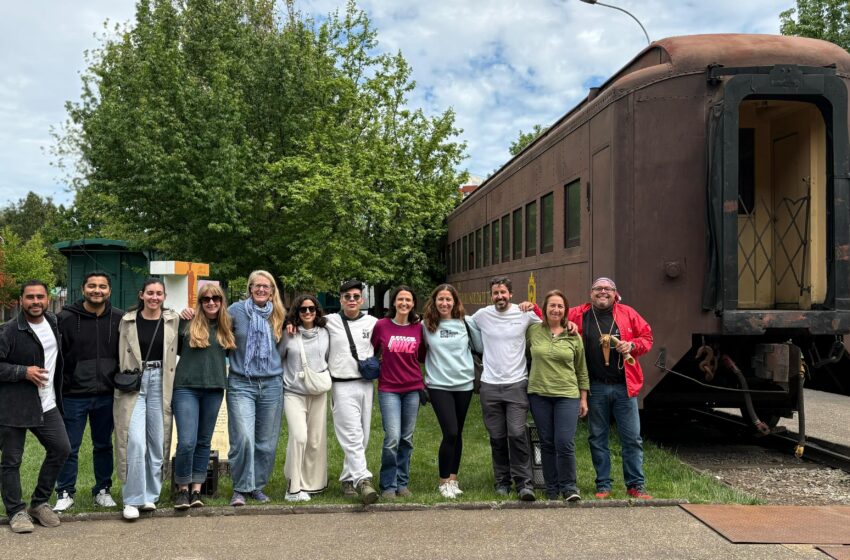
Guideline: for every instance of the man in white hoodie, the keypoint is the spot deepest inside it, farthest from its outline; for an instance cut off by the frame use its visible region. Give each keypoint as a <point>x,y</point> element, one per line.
<point>352,395</point>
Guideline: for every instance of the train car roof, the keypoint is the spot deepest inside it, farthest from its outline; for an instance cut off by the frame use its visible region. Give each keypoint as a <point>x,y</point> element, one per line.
<point>694,53</point>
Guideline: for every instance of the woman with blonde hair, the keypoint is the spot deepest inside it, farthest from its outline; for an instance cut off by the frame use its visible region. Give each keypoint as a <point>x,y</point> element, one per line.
<point>199,389</point>
<point>147,344</point>
<point>255,388</point>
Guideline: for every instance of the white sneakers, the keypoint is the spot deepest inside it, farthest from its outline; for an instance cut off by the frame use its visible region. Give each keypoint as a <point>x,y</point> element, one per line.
<point>149,506</point>
<point>131,512</point>
<point>102,499</point>
<point>297,497</point>
<point>64,501</point>
<point>450,489</point>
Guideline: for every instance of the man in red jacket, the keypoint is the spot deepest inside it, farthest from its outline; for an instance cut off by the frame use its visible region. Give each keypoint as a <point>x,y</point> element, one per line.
<point>614,382</point>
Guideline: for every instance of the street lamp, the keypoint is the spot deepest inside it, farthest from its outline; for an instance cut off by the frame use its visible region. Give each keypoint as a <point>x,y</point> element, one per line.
<point>625,12</point>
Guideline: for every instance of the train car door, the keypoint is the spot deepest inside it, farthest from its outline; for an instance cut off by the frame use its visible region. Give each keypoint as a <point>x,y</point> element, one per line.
<point>602,216</point>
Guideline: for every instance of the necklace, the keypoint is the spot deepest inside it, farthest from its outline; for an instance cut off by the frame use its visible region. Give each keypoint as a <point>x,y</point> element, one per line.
<point>604,339</point>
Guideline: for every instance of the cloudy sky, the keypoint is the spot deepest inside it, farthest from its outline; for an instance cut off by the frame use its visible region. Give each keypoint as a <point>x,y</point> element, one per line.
<point>503,65</point>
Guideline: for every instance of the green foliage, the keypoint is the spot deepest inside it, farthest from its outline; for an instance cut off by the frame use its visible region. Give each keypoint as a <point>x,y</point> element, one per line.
<point>223,131</point>
<point>526,138</point>
<point>22,261</point>
<point>34,214</point>
<point>819,19</point>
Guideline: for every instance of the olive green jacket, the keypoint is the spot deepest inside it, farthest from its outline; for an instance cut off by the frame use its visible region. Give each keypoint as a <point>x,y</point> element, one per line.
<point>129,358</point>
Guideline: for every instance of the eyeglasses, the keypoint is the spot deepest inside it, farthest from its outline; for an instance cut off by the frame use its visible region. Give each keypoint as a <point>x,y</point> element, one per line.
<point>262,288</point>
<point>351,297</point>
<point>603,289</point>
<point>307,309</point>
<point>207,299</point>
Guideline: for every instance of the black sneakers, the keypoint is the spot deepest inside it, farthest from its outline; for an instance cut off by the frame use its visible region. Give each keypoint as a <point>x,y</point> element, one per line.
<point>182,501</point>
<point>196,500</point>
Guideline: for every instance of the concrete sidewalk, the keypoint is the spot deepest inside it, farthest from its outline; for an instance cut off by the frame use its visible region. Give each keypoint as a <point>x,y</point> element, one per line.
<point>433,533</point>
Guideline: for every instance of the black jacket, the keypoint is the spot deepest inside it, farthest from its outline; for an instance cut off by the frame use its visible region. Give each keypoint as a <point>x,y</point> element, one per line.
<point>89,348</point>
<point>20,405</point>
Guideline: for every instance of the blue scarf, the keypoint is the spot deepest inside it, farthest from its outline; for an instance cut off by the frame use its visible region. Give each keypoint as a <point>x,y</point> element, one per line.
<point>260,346</point>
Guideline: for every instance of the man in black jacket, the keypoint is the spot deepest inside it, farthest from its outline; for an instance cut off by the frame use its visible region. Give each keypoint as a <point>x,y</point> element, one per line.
<point>31,398</point>
<point>89,329</point>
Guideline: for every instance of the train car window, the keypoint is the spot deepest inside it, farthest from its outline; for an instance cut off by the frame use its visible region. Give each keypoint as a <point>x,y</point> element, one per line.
<point>465,252</point>
<point>572,214</point>
<point>746,170</point>
<point>547,208</point>
<point>485,249</point>
<point>531,229</point>
<point>479,254</point>
<point>506,238</point>
<point>494,230</point>
<point>517,225</point>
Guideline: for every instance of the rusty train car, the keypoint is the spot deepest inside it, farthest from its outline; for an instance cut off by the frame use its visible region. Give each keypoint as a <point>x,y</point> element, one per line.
<point>710,177</point>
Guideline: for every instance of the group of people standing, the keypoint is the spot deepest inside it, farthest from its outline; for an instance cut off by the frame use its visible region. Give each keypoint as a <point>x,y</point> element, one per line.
<point>130,372</point>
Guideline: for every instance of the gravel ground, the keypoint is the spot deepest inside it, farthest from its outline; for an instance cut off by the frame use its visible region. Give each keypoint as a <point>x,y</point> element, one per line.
<point>774,477</point>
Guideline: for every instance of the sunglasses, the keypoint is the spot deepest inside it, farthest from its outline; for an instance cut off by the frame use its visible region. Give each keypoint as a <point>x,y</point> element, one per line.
<point>307,309</point>
<point>351,297</point>
<point>207,299</point>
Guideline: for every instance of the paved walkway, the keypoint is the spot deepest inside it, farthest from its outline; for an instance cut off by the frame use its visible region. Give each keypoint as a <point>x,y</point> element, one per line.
<point>528,533</point>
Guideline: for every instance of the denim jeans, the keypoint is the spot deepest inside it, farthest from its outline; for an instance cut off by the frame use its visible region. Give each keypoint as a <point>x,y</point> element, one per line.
<point>254,408</point>
<point>398,417</point>
<point>605,401</point>
<point>144,443</point>
<point>97,409</point>
<point>51,434</point>
<point>556,419</point>
<point>195,413</point>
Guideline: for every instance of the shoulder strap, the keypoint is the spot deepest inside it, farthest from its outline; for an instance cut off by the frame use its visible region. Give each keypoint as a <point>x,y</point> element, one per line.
<point>303,353</point>
<point>350,338</point>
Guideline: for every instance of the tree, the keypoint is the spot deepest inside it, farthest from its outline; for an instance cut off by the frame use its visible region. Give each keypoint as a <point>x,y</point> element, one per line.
<point>22,261</point>
<point>819,19</point>
<point>226,132</point>
<point>34,214</point>
<point>526,138</point>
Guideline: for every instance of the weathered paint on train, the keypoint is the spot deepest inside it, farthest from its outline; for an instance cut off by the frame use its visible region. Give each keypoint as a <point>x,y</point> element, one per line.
<point>655,155</point>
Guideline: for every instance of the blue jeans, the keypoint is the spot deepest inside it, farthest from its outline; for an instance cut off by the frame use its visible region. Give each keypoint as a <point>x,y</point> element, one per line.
<point>144,443</point>
<point>604,402</point>
<point>97,409</point>
<point>254,408</point>
<point>398,417</point>
<point>556,419</point>
<point>195,413</point>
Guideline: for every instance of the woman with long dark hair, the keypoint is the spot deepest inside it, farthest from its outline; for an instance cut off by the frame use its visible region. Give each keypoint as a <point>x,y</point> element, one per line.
<point>306,466</point>
<point>398,341</point>
<point>147,343</point>
<point>449,375</point>
<point>199,389</point>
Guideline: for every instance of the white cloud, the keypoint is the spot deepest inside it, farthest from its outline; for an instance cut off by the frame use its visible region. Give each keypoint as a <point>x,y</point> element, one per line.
<point>503,65</point>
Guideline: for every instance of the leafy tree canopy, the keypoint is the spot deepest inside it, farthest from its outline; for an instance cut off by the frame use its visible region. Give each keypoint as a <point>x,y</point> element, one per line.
<point>21,261</point>
<point>819,19</point>
<point>229,132</point>
<point>526,138</point>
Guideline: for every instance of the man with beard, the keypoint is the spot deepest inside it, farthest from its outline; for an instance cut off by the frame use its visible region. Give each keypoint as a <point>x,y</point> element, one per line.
<point>614,382</point>
<point>31,399</point>
<point>504,387</point>
<point>89,329</point>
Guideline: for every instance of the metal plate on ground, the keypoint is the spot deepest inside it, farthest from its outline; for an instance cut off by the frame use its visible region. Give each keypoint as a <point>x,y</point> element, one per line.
<point>836,552</point>
<point>776,524</point>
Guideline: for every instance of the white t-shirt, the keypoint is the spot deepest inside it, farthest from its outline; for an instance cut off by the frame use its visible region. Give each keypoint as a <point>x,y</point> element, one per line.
<point>51,351</point>
<point>340,361</point>
<point>503,335</point>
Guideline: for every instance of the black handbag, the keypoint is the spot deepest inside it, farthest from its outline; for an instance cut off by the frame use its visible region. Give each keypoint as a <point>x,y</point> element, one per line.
<point>370,368</point>
<point>130,381</point>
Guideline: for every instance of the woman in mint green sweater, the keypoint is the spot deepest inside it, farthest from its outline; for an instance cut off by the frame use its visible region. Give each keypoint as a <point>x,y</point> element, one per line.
<point>557,394</point>
<point>449,376</point>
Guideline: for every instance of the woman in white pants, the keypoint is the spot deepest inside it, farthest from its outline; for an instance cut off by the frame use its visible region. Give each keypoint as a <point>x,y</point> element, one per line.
<point>306,466</point>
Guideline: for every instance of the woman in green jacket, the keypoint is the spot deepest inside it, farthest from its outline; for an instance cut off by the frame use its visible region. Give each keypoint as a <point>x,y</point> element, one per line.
<point>557,394</point>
